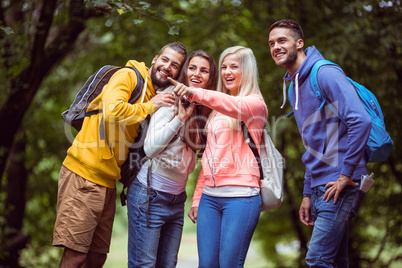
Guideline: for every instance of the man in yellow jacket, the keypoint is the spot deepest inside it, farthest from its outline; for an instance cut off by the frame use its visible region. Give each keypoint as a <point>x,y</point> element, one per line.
<point>87,183</point>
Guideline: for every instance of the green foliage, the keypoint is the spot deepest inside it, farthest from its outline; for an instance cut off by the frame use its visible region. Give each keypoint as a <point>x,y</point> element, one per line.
<point>140,9</point>
<point>364,37</point>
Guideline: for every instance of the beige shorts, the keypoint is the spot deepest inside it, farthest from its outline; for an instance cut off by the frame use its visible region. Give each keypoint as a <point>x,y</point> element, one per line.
<point>85,214</point>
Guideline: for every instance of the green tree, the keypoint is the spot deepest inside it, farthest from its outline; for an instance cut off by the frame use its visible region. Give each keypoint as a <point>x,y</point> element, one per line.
<point>29,51</point>
<point>35,37</point>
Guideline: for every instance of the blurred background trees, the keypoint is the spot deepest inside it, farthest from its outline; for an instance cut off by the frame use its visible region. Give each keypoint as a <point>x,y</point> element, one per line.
<point>49,48</point>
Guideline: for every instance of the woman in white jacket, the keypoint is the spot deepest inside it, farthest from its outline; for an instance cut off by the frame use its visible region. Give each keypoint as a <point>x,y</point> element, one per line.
<point>175,133</point>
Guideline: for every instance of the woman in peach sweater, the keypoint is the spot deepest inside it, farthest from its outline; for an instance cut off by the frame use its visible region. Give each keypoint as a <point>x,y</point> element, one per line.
<point>227,203</point>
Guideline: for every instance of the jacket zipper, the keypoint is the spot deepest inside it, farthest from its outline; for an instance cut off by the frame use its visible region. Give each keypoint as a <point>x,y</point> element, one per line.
<point>213,158</point>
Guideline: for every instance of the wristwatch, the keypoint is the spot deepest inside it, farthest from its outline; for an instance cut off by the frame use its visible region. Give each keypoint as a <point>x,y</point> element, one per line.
<point>307,195</point>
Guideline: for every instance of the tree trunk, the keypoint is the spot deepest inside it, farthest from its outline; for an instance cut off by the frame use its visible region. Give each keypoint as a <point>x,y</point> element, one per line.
<point>43,57</point>
<point>45,54</point>
<point>15,203</point>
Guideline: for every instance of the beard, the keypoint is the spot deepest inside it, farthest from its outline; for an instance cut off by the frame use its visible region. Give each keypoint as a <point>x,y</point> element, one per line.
<point>157,81</point>
<point>291,59</point>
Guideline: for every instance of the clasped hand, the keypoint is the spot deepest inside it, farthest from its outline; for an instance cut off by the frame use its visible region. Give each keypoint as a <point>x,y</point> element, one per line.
<point>184,111</point>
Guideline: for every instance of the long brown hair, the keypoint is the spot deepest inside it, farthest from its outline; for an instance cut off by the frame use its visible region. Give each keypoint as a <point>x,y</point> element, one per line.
<point>195,134</point>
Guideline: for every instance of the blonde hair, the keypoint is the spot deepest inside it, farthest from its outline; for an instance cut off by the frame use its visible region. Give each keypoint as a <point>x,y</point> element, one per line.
<point>249,76</point>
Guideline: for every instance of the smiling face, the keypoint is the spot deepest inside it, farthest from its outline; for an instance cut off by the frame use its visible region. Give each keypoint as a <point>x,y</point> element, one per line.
<point>198,72</point>
<point>284,48</point>
<point>166,64</point>
<point>231,74</point>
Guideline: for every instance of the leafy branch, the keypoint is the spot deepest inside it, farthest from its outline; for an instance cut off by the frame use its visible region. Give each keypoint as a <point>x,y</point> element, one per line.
<point>142,8</point>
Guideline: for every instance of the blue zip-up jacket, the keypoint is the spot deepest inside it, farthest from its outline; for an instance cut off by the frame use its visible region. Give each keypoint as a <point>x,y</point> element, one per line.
<point>332,147</point>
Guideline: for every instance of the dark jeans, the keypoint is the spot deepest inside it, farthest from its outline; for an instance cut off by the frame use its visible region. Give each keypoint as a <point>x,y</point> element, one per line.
<point>158,244</point>
<point>329,241</point>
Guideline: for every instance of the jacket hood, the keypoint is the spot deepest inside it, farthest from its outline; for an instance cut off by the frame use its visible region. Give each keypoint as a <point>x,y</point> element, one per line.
<point>143,69</point>
<point>140,66</point>
<point>312,56</point>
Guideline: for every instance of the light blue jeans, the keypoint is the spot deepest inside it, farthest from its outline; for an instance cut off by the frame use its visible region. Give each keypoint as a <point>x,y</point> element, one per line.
<point>329,241</point>
<point>158,244</point>
<point>225,227</point>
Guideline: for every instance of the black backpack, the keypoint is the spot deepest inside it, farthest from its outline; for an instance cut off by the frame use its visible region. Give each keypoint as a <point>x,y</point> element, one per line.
<point>135,159</point>
<point>76,113</point>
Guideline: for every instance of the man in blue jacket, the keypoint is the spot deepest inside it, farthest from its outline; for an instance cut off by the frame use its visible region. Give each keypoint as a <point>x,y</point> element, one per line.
<point>334,156</point>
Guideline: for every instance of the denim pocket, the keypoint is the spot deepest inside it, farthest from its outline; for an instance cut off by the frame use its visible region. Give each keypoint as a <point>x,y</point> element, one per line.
<point>137,194</point>
<point>153,196</point>
<point>358,201</point>
<point>351,198</point>
<point>143,199</point>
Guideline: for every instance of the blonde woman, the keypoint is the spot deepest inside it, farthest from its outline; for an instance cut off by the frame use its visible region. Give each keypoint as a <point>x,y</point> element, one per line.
<point>227,203</point>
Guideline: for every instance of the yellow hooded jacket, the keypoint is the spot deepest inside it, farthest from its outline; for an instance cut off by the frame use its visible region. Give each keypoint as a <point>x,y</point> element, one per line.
<point>99,159</point>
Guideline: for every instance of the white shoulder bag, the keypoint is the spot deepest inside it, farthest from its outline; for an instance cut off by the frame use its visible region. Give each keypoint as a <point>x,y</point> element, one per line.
<point>271,165</point>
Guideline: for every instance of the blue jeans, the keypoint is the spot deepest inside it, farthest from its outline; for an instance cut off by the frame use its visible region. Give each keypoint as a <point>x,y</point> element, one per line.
<point>329,242</point>
<point>225,226</point>
<point>158,244</point>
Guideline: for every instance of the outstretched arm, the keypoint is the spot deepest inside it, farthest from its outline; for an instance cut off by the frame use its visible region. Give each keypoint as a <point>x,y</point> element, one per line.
<point>241,108</point>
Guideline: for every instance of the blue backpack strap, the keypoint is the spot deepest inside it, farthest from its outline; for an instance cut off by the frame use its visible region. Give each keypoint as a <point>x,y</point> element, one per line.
<point>379,144</point>
<point>316,87</point>
<point>314,80</point>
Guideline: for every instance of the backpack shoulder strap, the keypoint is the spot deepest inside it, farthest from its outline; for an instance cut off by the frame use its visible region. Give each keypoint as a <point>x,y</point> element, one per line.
<point>314,80</point>
<point>135,159</point>
<point>314,83</point>
<point>139,88</point>
<point>249,140</point>
<point>318,92</point>
<point>135,95</point>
